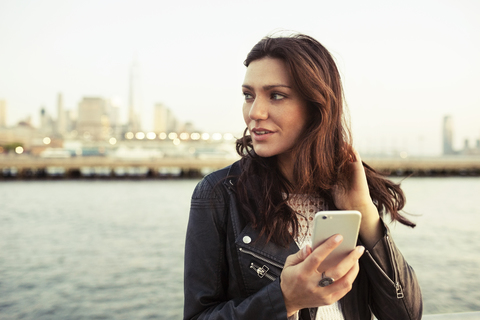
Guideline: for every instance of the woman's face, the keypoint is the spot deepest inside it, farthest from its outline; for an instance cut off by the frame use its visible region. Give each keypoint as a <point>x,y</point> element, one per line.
<point>273,110</point>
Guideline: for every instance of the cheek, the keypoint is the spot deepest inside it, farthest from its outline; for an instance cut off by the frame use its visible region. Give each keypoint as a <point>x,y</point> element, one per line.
<point>304,117</point>
<point>297,123</point>
<point>246,111</point>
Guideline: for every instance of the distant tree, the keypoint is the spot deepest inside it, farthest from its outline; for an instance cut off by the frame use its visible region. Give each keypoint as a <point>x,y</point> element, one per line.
<point>10,147</point>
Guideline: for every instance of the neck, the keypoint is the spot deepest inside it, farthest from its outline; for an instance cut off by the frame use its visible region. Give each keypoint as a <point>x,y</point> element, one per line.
<point>286,164</point>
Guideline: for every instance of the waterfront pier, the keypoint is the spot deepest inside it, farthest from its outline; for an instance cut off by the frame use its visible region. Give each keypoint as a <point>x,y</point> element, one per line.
<point>24,166</point>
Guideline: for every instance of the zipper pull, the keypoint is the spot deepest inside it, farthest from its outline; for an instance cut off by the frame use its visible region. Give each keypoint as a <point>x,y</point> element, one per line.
<point>260,271</point>
<point>399,289</point>
<point>230,185</point>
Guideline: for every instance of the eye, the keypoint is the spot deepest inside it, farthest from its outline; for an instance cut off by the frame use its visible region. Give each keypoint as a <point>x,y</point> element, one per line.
<point>277,96</point>
<point>247,96</point>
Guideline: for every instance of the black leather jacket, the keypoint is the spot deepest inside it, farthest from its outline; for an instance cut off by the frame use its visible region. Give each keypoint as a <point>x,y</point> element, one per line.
<point>232,273</point>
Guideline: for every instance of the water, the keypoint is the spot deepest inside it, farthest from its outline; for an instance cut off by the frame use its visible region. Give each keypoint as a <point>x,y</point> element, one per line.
<point>444,248</point>
<point>92,250</point>
<point>114,249</point>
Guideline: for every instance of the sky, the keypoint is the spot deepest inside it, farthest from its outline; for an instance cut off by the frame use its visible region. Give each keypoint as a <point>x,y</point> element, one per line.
<point>404,64</point>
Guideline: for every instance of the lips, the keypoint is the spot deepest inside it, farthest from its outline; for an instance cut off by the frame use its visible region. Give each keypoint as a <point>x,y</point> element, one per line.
<point>261,131</point>
<point>261,135</point>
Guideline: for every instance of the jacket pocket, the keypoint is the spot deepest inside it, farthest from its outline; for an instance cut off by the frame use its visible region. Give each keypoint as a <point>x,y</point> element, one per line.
<point>262,269</point>
<point>259,271</point>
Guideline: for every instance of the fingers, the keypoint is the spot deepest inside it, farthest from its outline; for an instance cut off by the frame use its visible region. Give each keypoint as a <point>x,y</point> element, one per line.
<point>300,256</point>
<point>300,277</point>
<point>320,253</point>
<point>357,155</point>
<point>342,268</point>
<point>343,274</point>
<point>357,161</point>
<point>343,285</point>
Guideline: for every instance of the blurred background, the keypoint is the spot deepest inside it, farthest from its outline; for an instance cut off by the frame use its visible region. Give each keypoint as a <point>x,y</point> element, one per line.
<point>111,112</point>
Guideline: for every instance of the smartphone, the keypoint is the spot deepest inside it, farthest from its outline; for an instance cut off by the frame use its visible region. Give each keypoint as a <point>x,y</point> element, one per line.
<point>328,223</point>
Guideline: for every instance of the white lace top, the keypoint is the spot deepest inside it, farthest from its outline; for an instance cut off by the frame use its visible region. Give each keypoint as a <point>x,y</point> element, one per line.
<point>306,206</point>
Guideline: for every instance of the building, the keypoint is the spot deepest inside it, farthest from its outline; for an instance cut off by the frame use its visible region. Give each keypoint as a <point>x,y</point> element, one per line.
<point>46,122</point>
<point>448,135</point>
<point>61,124</point>
<point>134,103</point>
<point>93,121</point>
<point>470,150</point>
<point>113,111</point>
<point>188,127</point>
<point>3,114</point>
<point>163,119</point>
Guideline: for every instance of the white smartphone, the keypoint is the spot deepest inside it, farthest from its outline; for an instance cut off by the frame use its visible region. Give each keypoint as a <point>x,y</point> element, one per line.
<point>328,223</point>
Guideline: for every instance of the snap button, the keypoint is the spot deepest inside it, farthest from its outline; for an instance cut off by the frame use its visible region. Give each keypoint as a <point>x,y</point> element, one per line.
<point>247,239</point>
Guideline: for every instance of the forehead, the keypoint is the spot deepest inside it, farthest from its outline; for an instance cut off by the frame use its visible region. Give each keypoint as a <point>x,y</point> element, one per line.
<point>267,71</point>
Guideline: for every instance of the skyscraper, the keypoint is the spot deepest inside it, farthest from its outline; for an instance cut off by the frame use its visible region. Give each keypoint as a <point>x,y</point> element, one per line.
<point>160,118</point>
<point>61,127</point>
<point>134,103</point>
<point>3,113</point>
<point>448,135</point>
<point>163,119</point>
<point>113,111</point>
<point>93,122</point>
<point>46,122</point>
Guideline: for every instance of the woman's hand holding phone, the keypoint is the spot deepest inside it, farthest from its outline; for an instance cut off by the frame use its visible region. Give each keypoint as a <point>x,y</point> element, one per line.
<point>300,277</point>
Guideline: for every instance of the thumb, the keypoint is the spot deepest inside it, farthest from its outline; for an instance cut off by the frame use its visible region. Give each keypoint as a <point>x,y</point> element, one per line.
<point>298,257</point>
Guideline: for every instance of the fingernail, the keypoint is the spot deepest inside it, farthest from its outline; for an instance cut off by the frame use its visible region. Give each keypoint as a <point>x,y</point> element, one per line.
<point>308,249</point>
<point>338,238</point>
<point>304,251</point>
<point>360,249</point>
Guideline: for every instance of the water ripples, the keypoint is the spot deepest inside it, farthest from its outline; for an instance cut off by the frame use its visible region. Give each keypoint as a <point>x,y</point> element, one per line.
<point>114,249</point>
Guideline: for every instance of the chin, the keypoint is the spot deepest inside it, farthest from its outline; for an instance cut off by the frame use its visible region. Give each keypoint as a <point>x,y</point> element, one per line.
<point>264,153</point>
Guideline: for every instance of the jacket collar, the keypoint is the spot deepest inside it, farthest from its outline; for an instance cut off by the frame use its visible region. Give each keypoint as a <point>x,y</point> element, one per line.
<point>232,176</point>
<point>256,243</point>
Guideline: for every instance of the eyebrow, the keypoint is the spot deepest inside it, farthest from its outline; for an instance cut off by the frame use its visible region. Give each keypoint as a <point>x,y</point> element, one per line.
<point>267,87</point>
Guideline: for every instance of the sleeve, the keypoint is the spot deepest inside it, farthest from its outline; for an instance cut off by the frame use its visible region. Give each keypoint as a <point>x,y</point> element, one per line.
<point>394,289</point>
<point>206,276</point>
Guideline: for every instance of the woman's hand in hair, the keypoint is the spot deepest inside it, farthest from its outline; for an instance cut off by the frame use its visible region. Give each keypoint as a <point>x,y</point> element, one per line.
<point>357,197</point>
<point>300,276</point>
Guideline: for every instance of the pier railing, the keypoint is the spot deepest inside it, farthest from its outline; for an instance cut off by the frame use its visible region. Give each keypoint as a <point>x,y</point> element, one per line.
<point>197,166</point>
<point>453,316</point>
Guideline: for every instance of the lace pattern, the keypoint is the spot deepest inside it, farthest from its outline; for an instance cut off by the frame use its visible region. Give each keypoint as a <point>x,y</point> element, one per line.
<point>306,206</point>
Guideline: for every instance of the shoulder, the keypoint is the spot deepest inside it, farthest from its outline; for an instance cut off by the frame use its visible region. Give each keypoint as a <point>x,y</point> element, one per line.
<point>213,185</point>
<point>210,200</point>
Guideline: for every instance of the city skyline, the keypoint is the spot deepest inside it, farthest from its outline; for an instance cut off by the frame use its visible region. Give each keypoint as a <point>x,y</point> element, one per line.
<point>404,66</point>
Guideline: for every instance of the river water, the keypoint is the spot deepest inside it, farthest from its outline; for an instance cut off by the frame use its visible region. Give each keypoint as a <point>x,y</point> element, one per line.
<point>114,249</point>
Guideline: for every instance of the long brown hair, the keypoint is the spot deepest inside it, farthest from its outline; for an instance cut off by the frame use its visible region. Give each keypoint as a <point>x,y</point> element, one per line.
<point>321,155</point>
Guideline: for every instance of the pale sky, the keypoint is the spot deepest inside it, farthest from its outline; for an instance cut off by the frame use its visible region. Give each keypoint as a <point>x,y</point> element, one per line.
<point>405,64</point>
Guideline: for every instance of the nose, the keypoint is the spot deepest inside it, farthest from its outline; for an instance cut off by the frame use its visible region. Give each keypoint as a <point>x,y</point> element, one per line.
<point>258,110</point>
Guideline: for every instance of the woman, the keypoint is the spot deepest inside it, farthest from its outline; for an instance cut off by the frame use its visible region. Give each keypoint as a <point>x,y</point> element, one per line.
<point>247,250</point>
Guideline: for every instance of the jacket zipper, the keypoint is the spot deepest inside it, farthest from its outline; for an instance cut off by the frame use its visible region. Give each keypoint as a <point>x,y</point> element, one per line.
<point>396,284</point>
<point>262,271</point>
<point>398,287</point>
<point>253,254</point>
